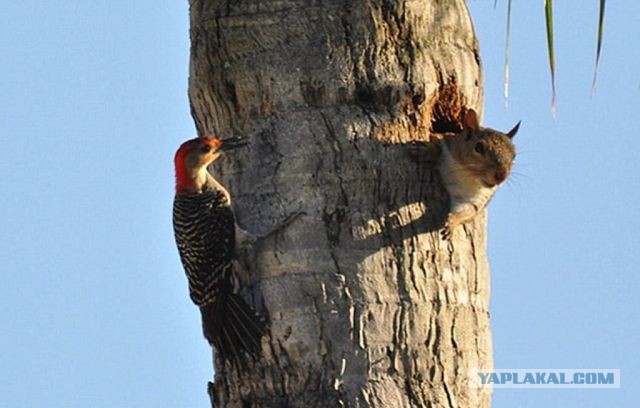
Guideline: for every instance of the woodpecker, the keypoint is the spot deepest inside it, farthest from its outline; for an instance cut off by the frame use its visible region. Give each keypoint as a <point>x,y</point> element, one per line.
<point>205,233</point>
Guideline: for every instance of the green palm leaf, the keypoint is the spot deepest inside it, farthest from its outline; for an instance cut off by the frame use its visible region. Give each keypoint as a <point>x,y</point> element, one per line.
<point>599,46</point>
<point>548,9</point>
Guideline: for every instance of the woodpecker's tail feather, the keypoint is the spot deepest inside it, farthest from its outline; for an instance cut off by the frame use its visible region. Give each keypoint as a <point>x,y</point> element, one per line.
<point>233,327</point>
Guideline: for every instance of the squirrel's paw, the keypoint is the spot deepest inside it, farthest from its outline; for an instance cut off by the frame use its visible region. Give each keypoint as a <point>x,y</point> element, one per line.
<point>446,233</point>
<point>449,226</point>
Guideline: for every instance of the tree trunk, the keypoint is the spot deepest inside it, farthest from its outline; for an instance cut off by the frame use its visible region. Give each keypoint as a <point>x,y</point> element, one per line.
<point>368,306</point>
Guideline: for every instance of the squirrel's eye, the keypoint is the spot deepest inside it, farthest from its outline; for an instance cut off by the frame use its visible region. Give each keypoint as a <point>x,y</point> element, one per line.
<point>205,149</point>
<point>479,148</point>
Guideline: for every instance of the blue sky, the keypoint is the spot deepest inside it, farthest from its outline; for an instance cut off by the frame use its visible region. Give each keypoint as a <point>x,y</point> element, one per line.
<point>94,304</point>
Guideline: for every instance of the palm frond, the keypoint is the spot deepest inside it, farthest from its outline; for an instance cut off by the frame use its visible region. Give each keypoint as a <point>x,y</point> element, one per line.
<point>506,57</point>
<point>599,46</point>
<point>548,8</point>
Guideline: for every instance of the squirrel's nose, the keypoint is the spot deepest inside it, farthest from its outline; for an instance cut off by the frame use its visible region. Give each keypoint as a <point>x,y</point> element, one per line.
<point>501,175</point>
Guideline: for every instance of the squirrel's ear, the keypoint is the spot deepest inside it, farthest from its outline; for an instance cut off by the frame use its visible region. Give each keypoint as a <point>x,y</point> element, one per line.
<point>471,120</point>
<point>513,131</point>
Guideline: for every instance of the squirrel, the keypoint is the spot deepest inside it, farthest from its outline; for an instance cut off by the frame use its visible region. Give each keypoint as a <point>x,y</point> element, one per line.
<point>472,164</point>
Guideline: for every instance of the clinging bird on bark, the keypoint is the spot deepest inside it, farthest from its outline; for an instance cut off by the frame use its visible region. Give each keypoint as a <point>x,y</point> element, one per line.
<point>205,232</point>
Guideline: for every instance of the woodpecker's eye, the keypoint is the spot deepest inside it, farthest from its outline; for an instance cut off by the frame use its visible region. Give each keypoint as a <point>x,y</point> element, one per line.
<point>205,149</point>
<point>479,147</point>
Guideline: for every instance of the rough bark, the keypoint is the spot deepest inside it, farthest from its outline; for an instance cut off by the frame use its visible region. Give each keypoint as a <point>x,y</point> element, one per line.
<point>368,306</point>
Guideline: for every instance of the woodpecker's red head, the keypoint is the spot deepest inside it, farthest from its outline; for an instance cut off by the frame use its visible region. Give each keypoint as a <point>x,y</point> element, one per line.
<point>193,157</point>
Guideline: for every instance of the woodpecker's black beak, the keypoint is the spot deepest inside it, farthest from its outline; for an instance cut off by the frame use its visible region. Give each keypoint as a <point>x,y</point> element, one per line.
<point>232,143</point>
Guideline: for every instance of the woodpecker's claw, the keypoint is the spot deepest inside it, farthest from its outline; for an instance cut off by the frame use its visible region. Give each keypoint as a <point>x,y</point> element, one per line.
<point>247,243</point>
<point>245,239</point>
